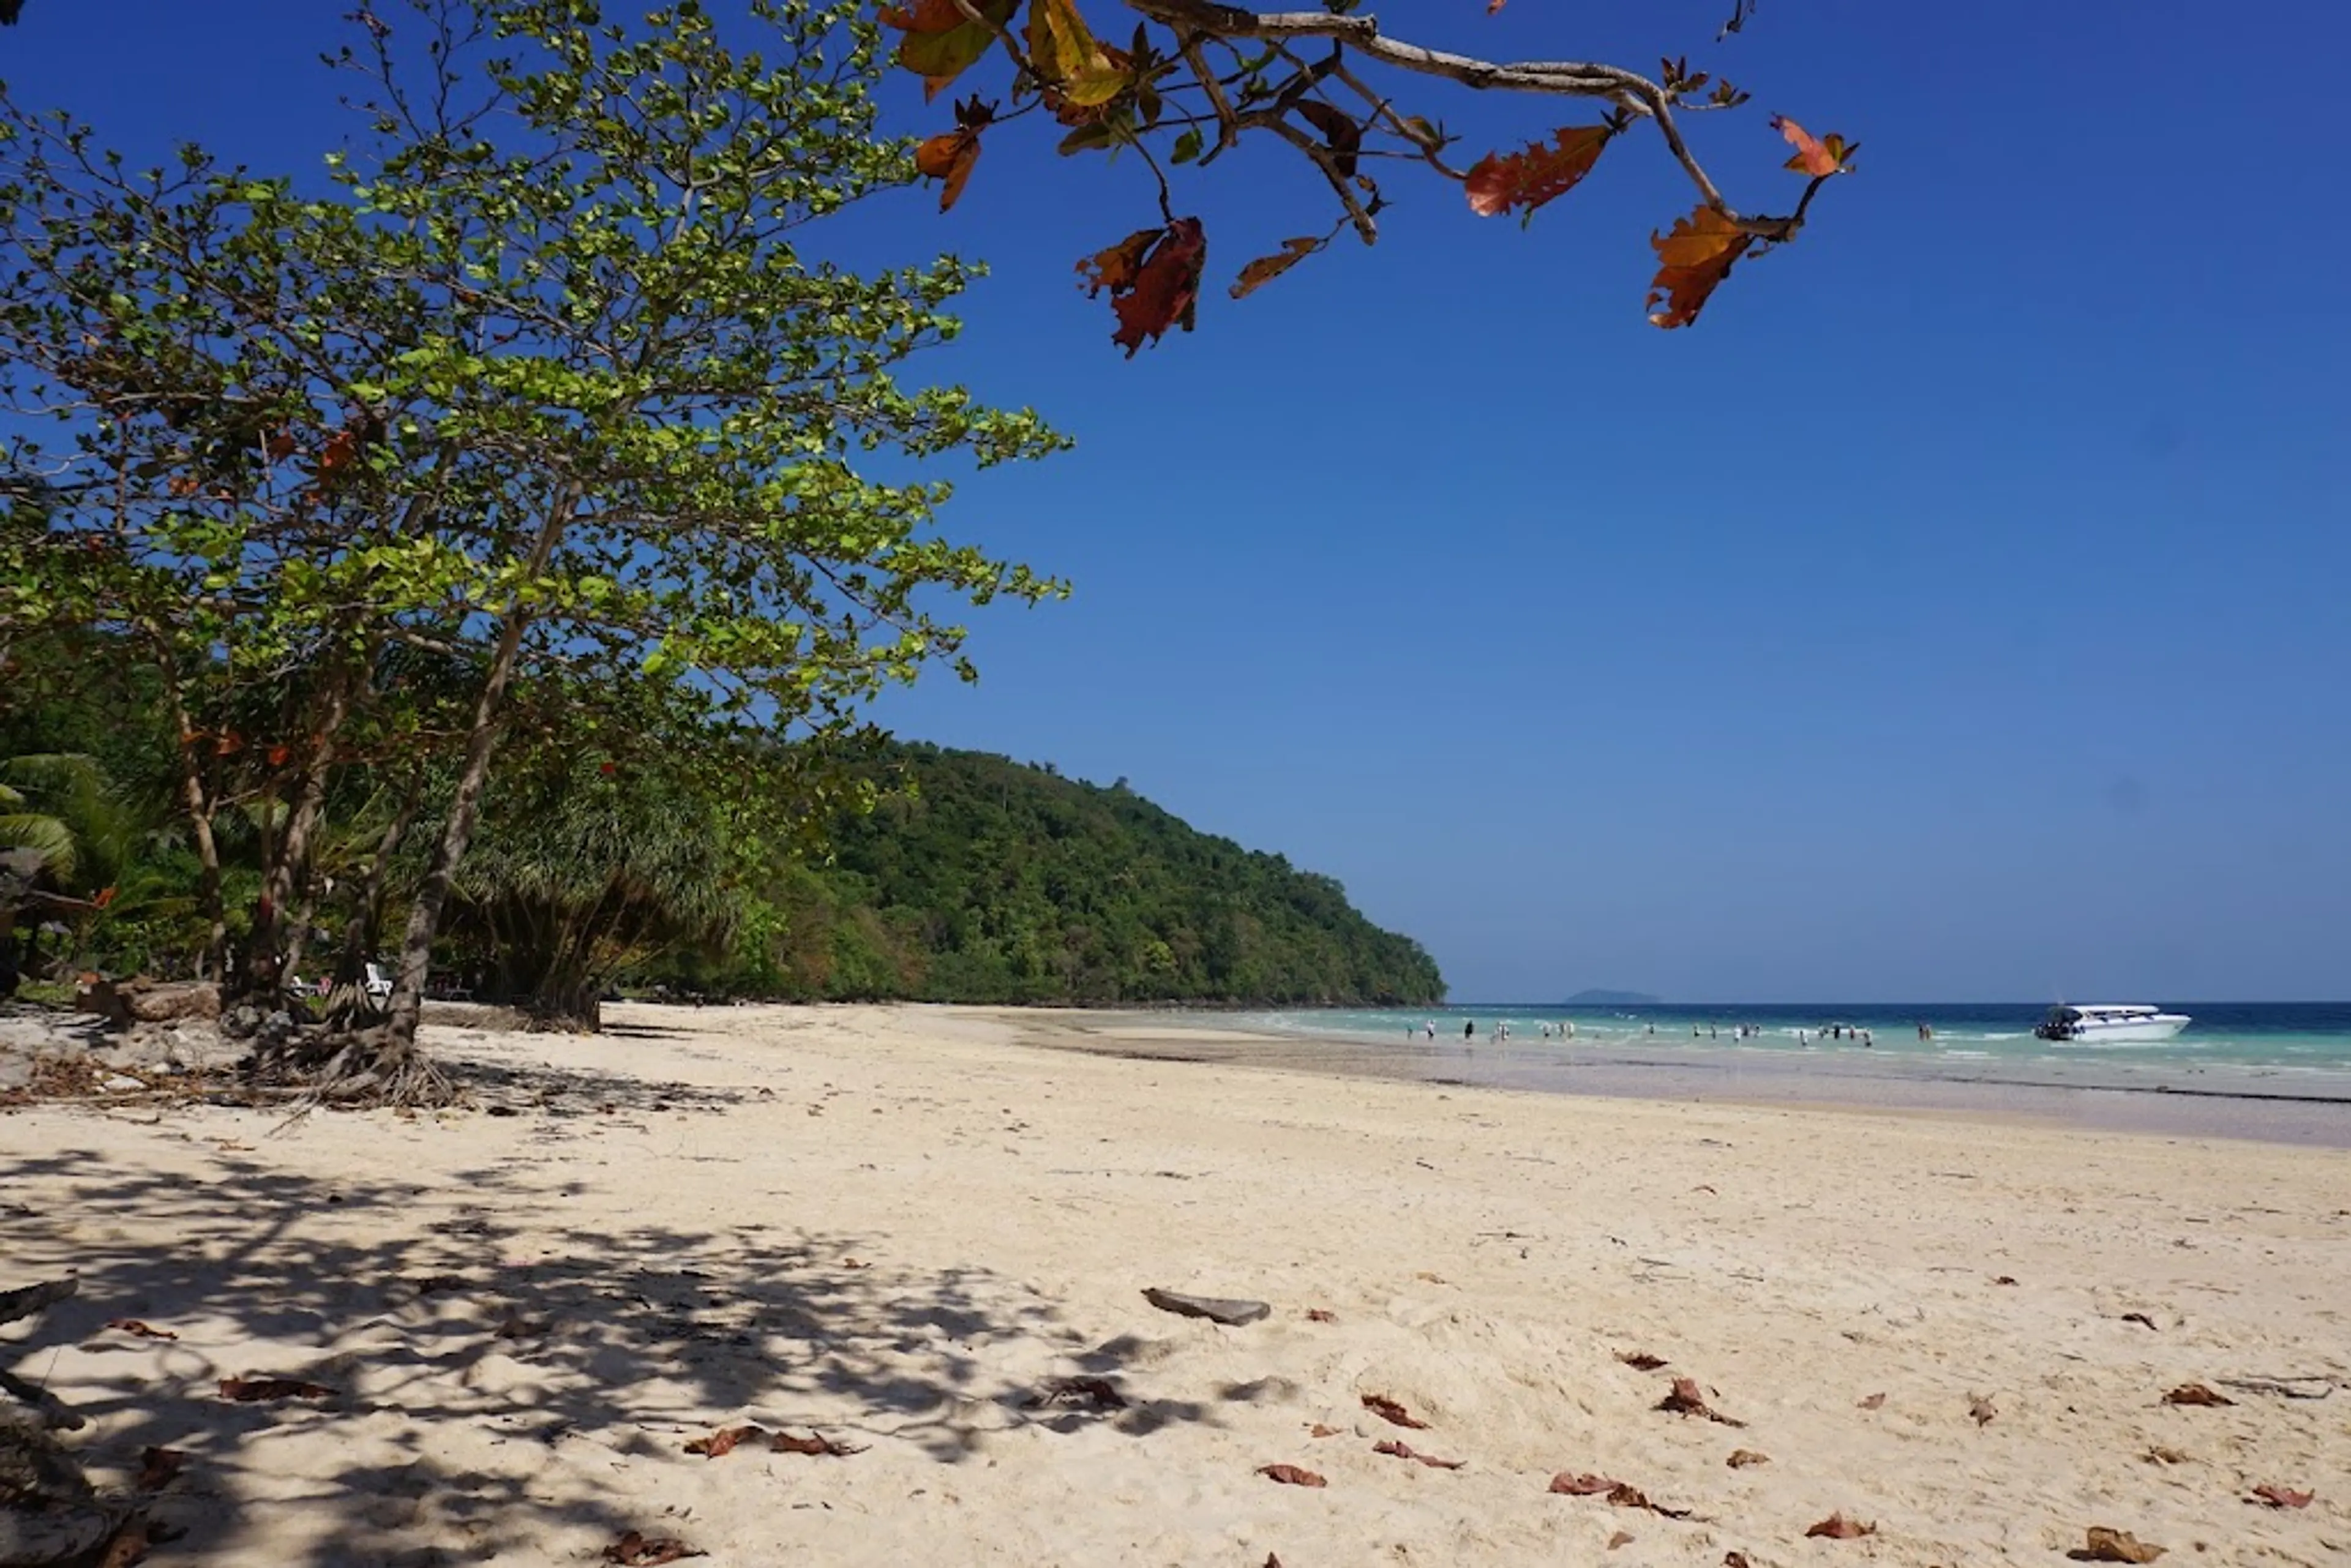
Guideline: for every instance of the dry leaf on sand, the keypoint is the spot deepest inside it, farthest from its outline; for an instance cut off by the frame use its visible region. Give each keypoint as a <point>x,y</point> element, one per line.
<point>2281,1497</point>
<point>1641,1360</point>
<point>1388,1410</point>
<point>1837,1527</point>
<point>1688,1399</point>
<point>633,1550</point>
<point>2113,1546</point>
<point>1742,1458</point>
<point>1405,1451</point>
<point>2196,1393</point>
<point>1291,1476</point>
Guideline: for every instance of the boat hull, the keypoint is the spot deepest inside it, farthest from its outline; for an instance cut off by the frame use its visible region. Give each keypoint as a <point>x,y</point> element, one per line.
<point>2136,1031</point>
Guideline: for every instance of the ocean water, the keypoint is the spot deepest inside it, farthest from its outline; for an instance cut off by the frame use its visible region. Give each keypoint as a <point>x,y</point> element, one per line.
<point>1995,1040</point>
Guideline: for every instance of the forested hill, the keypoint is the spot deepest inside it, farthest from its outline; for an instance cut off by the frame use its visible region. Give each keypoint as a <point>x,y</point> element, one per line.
<point>1001,882</point>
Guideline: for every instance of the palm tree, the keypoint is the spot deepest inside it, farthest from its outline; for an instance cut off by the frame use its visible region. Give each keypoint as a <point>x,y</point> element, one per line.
<point>60,806</point>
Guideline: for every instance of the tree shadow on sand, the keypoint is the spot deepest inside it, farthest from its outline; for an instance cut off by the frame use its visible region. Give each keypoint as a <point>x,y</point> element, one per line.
<point>489,1364</point>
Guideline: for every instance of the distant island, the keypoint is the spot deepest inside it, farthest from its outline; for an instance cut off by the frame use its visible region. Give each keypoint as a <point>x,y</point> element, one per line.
<point>1612,999</point>
<point>997,881</point>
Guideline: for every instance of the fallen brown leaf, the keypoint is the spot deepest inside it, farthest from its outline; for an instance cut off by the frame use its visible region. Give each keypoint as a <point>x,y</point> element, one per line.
<point>1735,1560</point>
<point>1622,1538</point>
<point>1291,1476</point>
<point>1320,1315</point>
<point>1624,1495</point>
<point>253,1390</point>
<point>1982,1407</point>
<point>1405,1451</point>
<point>1319,1430</point>
<point>2281,1497</point>
<point>1432,1278</point>
<point>1742,1458</point>
<point>634,1551</point>
<point>1568,1484</point>
<point>2113,1546</point>
<point>1870,1402</point>
<point>815,1445</point>
<point>2160,1455</point>
<point>725,1441</point>
<point>2140,1318</point>
<point>1641,1360</point>
<point>1388,1410</point>
<point>129,1542</point>
<point>1688,1399</point>
<point>143,1329</point>
<point>2196,1393</point>
<point>158,1467</point>
<point>2005,1279</point>
<point>1837,1527</point>
<point>1095,1392</point>
<point>1271,1560</point>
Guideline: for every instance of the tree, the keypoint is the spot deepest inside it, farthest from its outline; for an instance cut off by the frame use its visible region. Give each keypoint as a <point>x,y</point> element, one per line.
<point>554,383</point>
<point>1197,75</point>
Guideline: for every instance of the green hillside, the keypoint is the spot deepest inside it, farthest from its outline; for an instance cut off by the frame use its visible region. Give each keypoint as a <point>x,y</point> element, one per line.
<point>1001,882</point>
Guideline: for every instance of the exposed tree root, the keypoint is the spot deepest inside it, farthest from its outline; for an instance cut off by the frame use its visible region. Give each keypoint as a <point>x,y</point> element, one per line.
<point>356,1069</point>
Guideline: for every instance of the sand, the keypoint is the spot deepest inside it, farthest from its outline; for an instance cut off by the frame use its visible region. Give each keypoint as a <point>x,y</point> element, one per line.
<point>896,1226</point>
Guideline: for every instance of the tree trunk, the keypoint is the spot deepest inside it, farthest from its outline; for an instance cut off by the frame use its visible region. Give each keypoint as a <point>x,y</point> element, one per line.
<point>347,997</point>
<point>407,1004</point>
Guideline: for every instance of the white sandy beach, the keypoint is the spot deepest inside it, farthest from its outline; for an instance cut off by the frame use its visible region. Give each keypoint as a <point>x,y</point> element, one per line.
<point>895,1225</point>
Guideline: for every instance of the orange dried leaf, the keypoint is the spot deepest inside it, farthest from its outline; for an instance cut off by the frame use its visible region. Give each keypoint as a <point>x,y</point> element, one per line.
<point>1405,1451</point>
<point>1569,1484</point>
<point>2282,1496</point>
<point>1254,276</point>
<point>1626,1496</point>
<point>1812,157</point>
<point>948,156</point>
<point>1740,1458</point>
<point>1319,1430</point>
<point>1622,1538</point>
<point>1318,1315</point>
<point>725,1441</point>
<point>1388,1410</point>
<point>1291,1476</point>
<point>1870,1402</point>
<point>1540,173</point>
<point>1691,262</point>
<point>1837,1527</point>
<point>815,1445</point>
<point>2196,1393</point>
<point>2105,1545</point>
<point>1981,1406</point>
<point>157,1467</point>
<point>143,1329</point>
<point>338,453</point>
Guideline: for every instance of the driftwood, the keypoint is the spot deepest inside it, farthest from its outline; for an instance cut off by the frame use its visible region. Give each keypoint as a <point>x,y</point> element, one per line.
<point>25,1300</point>
<point>1231,1313</point>
<point>141,1001</point>
<point>50,1516</point>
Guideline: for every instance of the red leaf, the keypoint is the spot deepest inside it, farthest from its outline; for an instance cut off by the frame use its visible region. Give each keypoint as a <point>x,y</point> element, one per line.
<point>143,1329</point>
<point>1154,278</point>
<point>1641,1360</point>
<point>2196,1393</point>
<point>338,453</point>
<point>1291,1476</point>
<point>158,1467</point>
<point>255,1390</point>
<point>280,446</point>
<point>1539,175</point>
<point>1316,1314</point>
<point>1691,261</point>
<point>2282,1496</point>
<point>1405,1451</point>
<point>1567,1484</point>
<point>725,1441</point>
<point>949,157</point>
<point>1811,156</point>
<point>1837,1527</point>
<point>815,1445</point>
<point>634,1551</point>
<point>1388,1410</point>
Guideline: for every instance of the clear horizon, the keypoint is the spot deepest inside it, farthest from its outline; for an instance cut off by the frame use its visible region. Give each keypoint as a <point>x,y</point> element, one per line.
<point>1957,607</point>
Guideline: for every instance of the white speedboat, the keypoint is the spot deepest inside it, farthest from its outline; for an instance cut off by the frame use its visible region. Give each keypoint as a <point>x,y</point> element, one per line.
<point>2110,1023</point>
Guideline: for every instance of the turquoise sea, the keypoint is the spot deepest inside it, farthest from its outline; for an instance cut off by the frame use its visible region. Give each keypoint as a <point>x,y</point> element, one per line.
<point>2268,1040</point>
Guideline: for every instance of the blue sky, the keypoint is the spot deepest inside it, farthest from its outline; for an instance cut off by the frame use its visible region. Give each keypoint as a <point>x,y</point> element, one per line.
<point>1957,612</point>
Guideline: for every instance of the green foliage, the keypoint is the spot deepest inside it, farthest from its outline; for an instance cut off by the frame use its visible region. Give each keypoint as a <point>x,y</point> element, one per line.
<point>993,882</point>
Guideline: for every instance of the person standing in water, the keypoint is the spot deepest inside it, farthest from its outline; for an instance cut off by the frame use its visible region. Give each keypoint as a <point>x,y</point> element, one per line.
<point>1468,1029</point>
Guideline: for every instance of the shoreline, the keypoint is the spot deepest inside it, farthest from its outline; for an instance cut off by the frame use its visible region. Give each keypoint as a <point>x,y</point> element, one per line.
<point>2238,1104</point>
